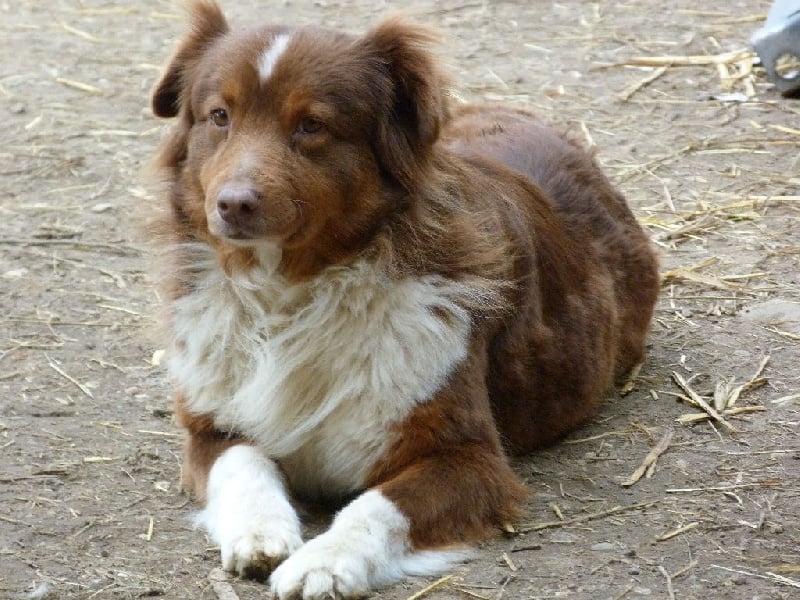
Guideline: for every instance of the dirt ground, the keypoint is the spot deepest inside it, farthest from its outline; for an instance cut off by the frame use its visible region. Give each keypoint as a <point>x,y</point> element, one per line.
<point>708,156</point>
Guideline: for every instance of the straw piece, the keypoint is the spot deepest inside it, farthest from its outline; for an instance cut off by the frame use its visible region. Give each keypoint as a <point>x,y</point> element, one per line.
<point>751,383</point>
<point>426,590</point>
<point>83,87</point>
<point>688,61</point>
<point>786,399</point>
<point>583,518</point>
<point>697,399</point>
<point>785,129</point>
<point>72,380</point>
<point>650,459</point>
<point>774,577</point>
<point>671,534</point>
<point>691,418</point>
<point>80,33</point>
<point>668,577</point>
<point>630,382</point>
<point>626,94</point>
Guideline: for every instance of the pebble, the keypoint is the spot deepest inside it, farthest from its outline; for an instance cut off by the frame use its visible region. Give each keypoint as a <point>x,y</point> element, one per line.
<point>634,570</point>
<point>42,591</point>
<point>602,547</point>
<point>15,273</point>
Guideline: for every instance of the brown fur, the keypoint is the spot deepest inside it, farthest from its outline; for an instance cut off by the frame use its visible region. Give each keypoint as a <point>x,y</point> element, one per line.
<point>204,443</point>
<point>594,253</point>
<point>486,195</point>
<point>450,444</point>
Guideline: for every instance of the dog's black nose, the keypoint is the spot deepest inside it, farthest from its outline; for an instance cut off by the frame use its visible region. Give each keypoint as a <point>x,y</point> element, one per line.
<point>238,203</point>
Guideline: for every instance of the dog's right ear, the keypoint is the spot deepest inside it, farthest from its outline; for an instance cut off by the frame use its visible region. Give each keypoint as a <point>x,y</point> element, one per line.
<point>208,23</point>
<point>416,105</point>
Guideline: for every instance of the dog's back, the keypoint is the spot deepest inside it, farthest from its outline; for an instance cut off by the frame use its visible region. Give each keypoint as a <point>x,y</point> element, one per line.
<point>530,386</point>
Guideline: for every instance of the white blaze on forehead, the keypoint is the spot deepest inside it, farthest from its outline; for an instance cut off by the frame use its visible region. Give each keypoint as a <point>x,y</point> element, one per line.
<point>267,61</point>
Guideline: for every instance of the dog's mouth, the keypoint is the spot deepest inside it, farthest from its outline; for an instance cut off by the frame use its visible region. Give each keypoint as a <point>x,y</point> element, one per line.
<point>239,236</point>
<point>232,233</point>
<point>243,235</point>
<point>241,240</point>
<point>242,216</point>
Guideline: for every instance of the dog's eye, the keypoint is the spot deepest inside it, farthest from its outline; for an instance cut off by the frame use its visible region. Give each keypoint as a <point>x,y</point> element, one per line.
<point>309,125</point>
<point>219,116</point>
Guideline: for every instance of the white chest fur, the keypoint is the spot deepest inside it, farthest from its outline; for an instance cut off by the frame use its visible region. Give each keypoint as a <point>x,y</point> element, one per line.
<point>316,373</point>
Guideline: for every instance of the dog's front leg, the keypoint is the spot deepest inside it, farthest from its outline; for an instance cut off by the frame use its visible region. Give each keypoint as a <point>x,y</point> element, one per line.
<point>366,546</point>
<point>247,509</point>
<point>437,510</point>
<point>248,512</point>
<point>443,484</point>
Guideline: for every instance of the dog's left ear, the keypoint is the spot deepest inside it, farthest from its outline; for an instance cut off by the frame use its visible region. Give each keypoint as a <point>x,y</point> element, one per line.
<point>416,103</point>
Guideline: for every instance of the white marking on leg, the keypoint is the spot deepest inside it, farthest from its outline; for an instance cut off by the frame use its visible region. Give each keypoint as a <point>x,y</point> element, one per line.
<point>366,547</point>
<point>267,61</point>
<point>248,512</point>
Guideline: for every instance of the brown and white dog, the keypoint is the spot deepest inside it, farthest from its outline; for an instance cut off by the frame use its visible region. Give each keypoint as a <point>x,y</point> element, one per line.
<point>374,296</point>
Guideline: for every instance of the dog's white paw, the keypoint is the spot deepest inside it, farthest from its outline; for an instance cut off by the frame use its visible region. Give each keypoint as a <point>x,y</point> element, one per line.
<point>258,550</point>
<point>318,571</point>
<point>248,513</point>
<point>364,548</point>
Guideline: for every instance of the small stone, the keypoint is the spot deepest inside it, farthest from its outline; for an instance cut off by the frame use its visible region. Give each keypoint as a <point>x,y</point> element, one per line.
<point>602,547</point>
<point>15,273</point>
<point>634,570</point>
<point>18,108</point>
<point>158,357</point>
<point>42,591</point>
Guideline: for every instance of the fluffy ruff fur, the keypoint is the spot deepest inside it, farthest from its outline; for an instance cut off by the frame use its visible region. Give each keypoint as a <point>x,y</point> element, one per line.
<point>374,295</point>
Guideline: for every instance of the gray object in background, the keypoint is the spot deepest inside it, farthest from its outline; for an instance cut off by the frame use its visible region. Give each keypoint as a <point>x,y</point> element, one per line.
<point>778,46</point>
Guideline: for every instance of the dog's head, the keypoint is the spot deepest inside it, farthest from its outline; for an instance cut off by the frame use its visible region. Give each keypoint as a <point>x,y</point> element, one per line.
<point>305,138</point>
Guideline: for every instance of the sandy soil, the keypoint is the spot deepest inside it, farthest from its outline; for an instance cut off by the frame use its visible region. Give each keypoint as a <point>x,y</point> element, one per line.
<point>708,156</point>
